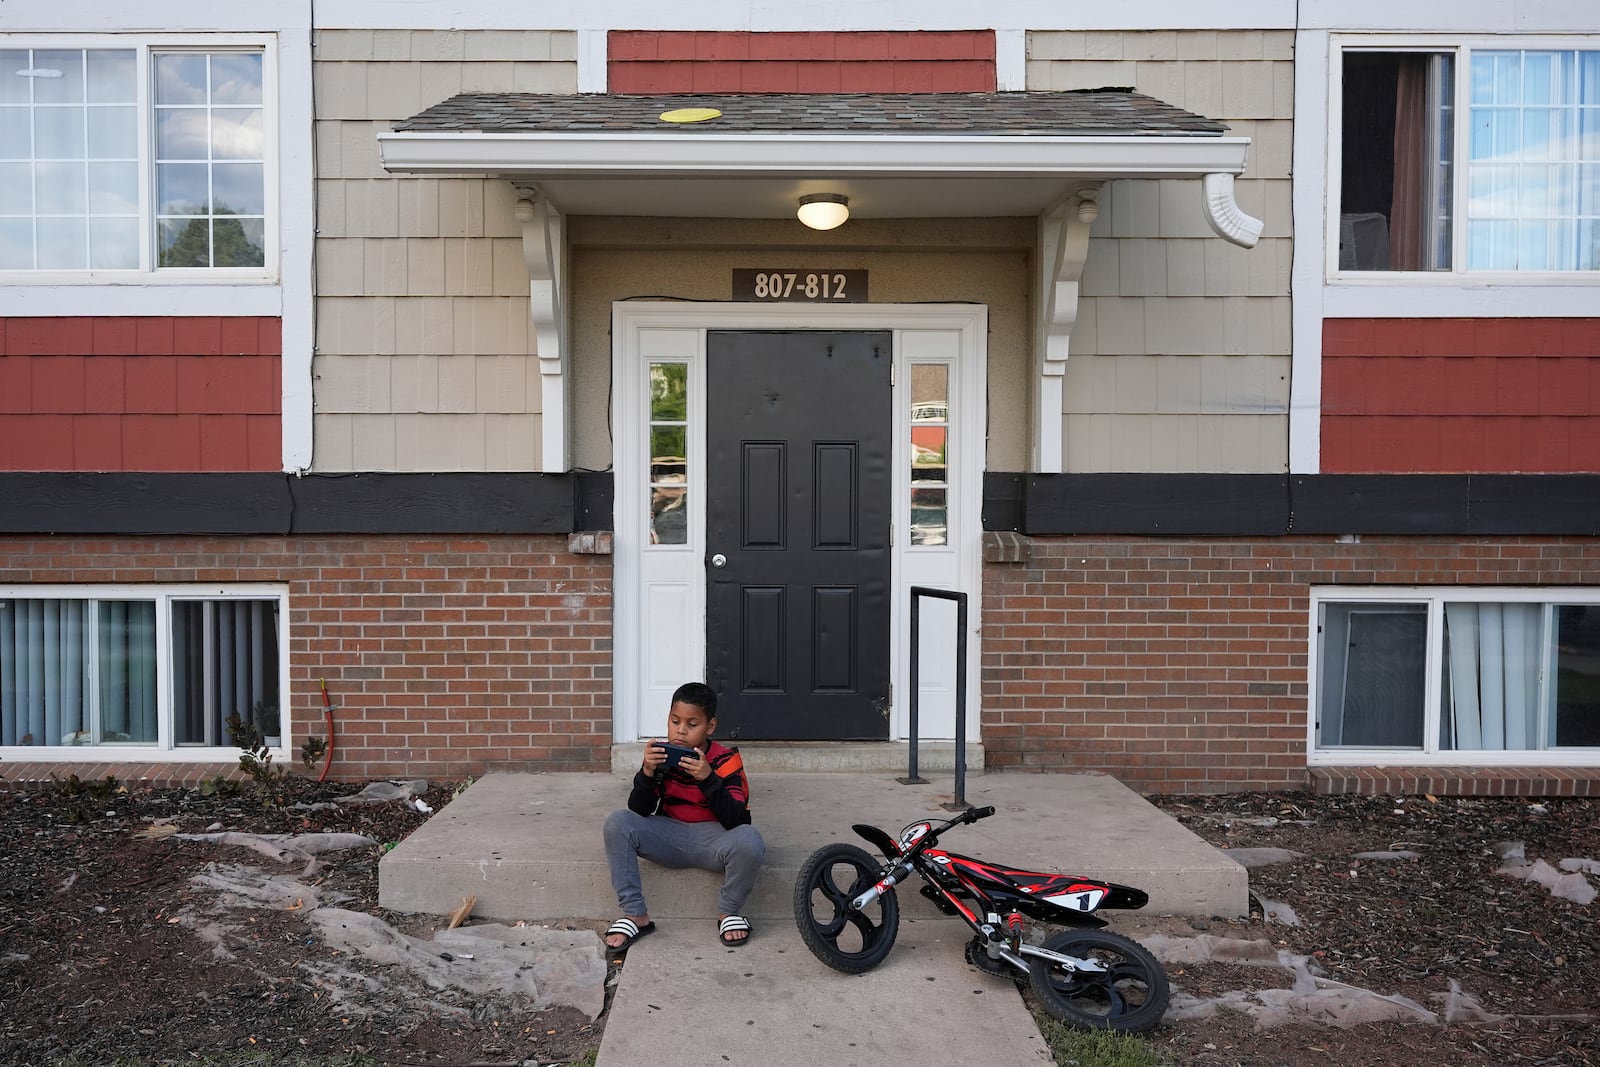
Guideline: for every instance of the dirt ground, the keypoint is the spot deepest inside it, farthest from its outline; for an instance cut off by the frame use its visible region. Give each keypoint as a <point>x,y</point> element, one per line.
<point>111,949</point>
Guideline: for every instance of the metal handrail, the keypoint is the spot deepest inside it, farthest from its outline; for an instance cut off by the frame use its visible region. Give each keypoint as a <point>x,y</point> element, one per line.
<point>917,593</point>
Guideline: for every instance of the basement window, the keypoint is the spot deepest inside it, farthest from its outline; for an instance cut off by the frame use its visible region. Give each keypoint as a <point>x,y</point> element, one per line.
<point>138,670</point>
<point>1456,676</point>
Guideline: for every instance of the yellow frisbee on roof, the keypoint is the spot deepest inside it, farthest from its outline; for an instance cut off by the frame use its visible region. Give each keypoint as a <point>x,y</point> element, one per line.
<point>691,114</point>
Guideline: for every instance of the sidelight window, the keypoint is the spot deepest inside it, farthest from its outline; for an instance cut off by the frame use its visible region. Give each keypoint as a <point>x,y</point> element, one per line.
<point>1458,676</point>
<point>930,453</point>
<point>669,449</point>
<point>125,668</point>
<point>1469,159</point>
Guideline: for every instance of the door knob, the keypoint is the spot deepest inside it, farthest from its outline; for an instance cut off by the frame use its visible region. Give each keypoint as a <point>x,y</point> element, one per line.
<point>719,560</point>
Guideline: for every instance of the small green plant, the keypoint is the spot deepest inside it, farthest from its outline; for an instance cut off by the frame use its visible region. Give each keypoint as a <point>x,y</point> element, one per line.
<point>87,798</point>
<point>255,758</point>
<point>218,786</point>
<point>70,786</point>
<point>312,750</point>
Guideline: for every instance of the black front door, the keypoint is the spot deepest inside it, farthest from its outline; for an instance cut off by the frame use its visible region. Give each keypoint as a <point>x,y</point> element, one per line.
<point>797,533</point>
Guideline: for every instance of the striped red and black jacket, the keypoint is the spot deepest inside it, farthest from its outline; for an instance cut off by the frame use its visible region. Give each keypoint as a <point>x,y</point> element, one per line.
<point>723,797</point>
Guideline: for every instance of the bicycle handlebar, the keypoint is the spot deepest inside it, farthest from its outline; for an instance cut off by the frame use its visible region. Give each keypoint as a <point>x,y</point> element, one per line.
<point>966,818</point>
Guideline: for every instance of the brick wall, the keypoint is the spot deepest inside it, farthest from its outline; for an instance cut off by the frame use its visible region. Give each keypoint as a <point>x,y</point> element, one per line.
<point>1181,665</point>
<point>448,656</point>
<point>1460,395</point>
<point>145,393</point>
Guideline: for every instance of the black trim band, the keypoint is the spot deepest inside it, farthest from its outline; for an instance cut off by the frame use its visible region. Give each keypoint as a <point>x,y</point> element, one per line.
<point>1214,505</point>
<point>284,504</point>
<point>1273,505</point>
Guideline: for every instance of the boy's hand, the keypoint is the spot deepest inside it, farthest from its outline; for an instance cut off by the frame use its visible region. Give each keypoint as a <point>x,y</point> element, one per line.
<point>654,756</point>
<point>696,766</point>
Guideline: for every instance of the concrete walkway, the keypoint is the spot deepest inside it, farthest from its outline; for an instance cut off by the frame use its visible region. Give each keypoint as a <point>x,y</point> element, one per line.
<point>683,999</point>
<point>528,847</point>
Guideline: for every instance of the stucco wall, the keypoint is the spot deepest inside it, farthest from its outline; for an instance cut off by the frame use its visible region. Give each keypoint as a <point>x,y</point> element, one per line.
<point>984,261</point>
<point>1180,356</point>
<point>425,355</point>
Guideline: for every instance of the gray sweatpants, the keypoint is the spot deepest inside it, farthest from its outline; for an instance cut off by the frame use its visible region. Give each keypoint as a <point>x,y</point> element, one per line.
<point>737,853</point>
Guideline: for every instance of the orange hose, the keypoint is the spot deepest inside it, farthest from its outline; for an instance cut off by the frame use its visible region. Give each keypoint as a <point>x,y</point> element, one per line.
<point>327,714</point>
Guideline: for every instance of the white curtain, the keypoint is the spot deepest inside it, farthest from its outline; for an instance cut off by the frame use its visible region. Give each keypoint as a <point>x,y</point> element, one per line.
<point>1494,675</point>
<point>41,672</point>
<point>224,652</point>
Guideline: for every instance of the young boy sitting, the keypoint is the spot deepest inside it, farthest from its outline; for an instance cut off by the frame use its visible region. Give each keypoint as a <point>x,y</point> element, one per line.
<point>696,814</point>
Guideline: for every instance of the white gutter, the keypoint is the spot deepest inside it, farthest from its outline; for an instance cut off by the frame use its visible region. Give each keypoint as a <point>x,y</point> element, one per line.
<point>545,154</point>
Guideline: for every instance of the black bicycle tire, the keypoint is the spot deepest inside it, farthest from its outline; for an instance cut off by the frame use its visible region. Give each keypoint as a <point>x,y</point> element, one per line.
<point>816,939</point>
<point>1142,965</point>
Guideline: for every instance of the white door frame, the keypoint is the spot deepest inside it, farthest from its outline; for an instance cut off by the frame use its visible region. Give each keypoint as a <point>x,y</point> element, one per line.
<point>658,623</point>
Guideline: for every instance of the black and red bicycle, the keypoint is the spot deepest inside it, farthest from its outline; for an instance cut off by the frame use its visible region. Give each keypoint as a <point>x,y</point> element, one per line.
<point>845,906</point>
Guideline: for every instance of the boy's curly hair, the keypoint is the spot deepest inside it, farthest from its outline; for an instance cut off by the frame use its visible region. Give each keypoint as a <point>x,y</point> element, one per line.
<point>699,694</point>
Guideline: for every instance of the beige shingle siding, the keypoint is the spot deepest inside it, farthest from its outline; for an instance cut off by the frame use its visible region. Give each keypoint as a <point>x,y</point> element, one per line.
<point>1180,357</point>
<point>425,356</point>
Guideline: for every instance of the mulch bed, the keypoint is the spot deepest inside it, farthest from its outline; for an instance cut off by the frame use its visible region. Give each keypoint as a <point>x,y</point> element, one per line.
<point>92,963</point>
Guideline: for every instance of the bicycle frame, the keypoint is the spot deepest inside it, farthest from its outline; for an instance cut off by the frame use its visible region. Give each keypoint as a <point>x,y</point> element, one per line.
<point>1001,894</point>
<point>848,912</point>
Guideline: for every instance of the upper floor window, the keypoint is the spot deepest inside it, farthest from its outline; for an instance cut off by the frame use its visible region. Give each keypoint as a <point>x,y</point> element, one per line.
<point>1469,159</point>
<point>132,159</point>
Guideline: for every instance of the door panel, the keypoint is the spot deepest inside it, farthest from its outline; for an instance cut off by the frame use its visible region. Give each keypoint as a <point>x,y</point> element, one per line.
<point>799,489</point>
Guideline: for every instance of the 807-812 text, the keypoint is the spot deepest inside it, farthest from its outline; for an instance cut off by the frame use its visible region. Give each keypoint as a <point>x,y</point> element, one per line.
<point>841,286</point>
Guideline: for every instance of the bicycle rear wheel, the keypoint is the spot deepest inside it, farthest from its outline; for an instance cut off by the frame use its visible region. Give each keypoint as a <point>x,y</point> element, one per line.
<point>1127,991</point>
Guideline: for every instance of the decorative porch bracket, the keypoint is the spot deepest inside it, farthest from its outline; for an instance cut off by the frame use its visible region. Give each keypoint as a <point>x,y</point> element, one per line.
<point>544,250</point>
<point>1063,248</point>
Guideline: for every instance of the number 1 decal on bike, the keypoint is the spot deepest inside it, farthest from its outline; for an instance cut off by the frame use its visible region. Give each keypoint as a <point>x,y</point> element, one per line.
<point>848,915</point>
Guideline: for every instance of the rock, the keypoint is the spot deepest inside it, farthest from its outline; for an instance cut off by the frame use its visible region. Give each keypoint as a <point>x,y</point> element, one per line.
<point>1261,857</point>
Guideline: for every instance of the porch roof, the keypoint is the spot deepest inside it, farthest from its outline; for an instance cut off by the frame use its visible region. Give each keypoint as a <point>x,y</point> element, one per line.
<point>902,155</point>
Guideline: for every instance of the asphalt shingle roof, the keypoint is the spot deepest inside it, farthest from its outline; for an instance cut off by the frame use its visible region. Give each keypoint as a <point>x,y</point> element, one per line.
<point>1087,112</point>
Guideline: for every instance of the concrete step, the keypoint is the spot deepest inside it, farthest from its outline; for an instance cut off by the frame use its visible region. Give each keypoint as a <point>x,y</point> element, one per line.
<point>528,846</point>
<point>829,757</point>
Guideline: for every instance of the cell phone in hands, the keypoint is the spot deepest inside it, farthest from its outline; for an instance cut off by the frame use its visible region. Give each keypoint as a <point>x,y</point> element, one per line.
<point>675,754</point>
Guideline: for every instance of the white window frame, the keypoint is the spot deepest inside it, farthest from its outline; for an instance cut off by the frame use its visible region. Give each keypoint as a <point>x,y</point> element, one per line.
<point>148,273</point>
<point>1430,754</point>
<point>1461,48</point>
<point>164,750</point>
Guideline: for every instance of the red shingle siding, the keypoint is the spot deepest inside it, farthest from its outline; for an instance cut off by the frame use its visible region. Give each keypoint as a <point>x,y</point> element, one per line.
<point>691,61</point>
<point>141,394</point>
<point>1181,665</point>
<point>1461,396</point>
<point>447,656</point>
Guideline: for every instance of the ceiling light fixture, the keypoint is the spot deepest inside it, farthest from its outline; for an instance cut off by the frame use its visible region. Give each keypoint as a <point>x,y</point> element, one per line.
<point>824,211</point>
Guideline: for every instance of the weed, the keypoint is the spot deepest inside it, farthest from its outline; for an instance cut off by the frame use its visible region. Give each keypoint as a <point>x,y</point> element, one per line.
<point>87,798</point>
<point>255,758</point>
<point>1092,1048</point>
<point>312,750</point>
<point>218,786</point>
